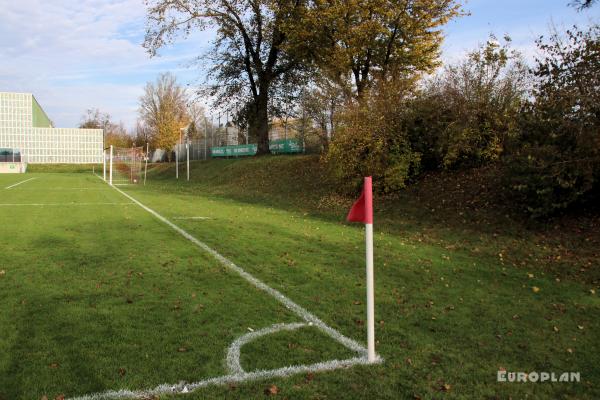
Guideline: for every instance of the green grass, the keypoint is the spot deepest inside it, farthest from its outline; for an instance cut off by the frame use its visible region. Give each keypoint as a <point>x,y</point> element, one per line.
<point>104,297</point>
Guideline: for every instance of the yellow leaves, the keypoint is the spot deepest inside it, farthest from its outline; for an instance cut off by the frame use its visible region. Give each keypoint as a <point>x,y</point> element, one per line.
<point>271,390</point>
<point>535,289</point>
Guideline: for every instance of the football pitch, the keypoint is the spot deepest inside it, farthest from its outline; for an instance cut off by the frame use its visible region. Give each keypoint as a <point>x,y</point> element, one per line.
<point>123,293</point>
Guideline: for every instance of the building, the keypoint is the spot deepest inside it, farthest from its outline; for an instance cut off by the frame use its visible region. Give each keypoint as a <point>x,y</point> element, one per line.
<point>283,129</point>
<point>25,127</point>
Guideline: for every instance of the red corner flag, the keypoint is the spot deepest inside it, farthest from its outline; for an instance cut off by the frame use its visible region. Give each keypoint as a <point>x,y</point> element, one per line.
<point>362,210</point>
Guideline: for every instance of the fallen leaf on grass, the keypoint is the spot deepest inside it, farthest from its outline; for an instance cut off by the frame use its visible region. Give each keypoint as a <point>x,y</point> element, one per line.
<point>555,328</point>
<point>60,397</point>
<point>182,349</point>
<point>44,397</point>
<point>54,365</point>
<point>446,387</point>
<point>580,326</point>
<point>122,371</point>
<point>535,289</point>
<point>309,377</point>
<point>272,390</point>
<point>3,272</point>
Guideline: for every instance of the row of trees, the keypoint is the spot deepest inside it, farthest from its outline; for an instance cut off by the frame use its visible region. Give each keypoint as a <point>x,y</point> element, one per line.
<point>540,124</point>
<point>356,74</point>
<point>266,53</point>
<point>165,109</point>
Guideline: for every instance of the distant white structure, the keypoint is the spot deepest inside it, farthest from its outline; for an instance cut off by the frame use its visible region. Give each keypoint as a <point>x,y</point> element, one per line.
<point>24,126</point>
<point>229,134</point>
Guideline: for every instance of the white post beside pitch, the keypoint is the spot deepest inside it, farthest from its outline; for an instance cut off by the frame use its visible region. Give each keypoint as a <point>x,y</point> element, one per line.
<point>187,150</point>
<point>370,294</point>
<point>111,165</point>
<point>176,163</point>
<point>104,165</point>
<point>146,167</point>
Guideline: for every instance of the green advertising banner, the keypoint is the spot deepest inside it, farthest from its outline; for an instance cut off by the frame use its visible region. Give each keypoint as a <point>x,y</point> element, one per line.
<point>280,146</point>
<point>234,151</point>
<point>285,146</point>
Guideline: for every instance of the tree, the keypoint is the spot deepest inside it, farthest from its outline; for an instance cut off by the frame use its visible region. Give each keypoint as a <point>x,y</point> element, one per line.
<point>114,134</point>
<point>466,114</point>
<point>196,128</point>
<point>381,40</point>
<point>141,134</point>
<point>372,139</point>
<point>556,161</point>
<point>582,4</point>
<point>163,109</point>
<point>261,46</point>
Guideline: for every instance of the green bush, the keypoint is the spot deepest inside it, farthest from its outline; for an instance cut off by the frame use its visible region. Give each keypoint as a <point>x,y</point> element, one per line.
<point>372,139</point>
<point>464,116</point>
<point>556,160</point>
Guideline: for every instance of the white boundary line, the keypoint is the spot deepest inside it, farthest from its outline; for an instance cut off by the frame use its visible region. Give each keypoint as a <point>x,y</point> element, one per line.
<point>60,189</point>
<point>232,359</point>
<point>222,380</point>
<point>192,218</point>
<point>18,183</point>
<point>62,204</point>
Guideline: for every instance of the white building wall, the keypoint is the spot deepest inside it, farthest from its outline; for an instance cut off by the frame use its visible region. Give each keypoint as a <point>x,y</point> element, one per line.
<point>44,145</point>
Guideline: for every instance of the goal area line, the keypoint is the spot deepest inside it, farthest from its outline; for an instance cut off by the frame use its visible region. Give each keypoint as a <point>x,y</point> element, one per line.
<point>236,374</point>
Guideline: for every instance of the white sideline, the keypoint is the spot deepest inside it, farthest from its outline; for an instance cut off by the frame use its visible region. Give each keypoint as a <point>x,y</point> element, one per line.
<point>223,380</point>
<point>232,359</point>
<point>18,183</point>
<point>191,218</point>
<point>61,204</point>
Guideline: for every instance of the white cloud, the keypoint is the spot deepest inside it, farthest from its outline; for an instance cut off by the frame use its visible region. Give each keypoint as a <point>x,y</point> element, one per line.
<point>78,54</point>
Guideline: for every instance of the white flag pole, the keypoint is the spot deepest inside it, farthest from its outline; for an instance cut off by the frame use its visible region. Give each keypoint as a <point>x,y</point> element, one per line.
<point>111,165</point>
<point>176,163</point>
<point>104,165</point>
<point>187,150</point>
<point>370,275</point>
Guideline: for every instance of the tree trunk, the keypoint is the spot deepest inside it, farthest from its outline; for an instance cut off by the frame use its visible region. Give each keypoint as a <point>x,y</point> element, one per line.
<point>259,124</point>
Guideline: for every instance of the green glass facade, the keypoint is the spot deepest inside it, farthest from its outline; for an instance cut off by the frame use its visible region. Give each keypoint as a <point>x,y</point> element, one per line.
<point>40,119</point>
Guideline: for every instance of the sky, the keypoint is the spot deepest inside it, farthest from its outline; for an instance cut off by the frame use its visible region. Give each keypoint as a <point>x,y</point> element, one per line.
<point>74,55</point>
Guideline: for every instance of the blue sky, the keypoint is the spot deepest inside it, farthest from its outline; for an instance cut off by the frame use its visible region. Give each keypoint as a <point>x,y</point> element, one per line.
<point>79,54</point>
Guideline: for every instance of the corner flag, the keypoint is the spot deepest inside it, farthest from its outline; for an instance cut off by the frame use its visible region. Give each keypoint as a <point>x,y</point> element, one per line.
<point>362,211</point>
